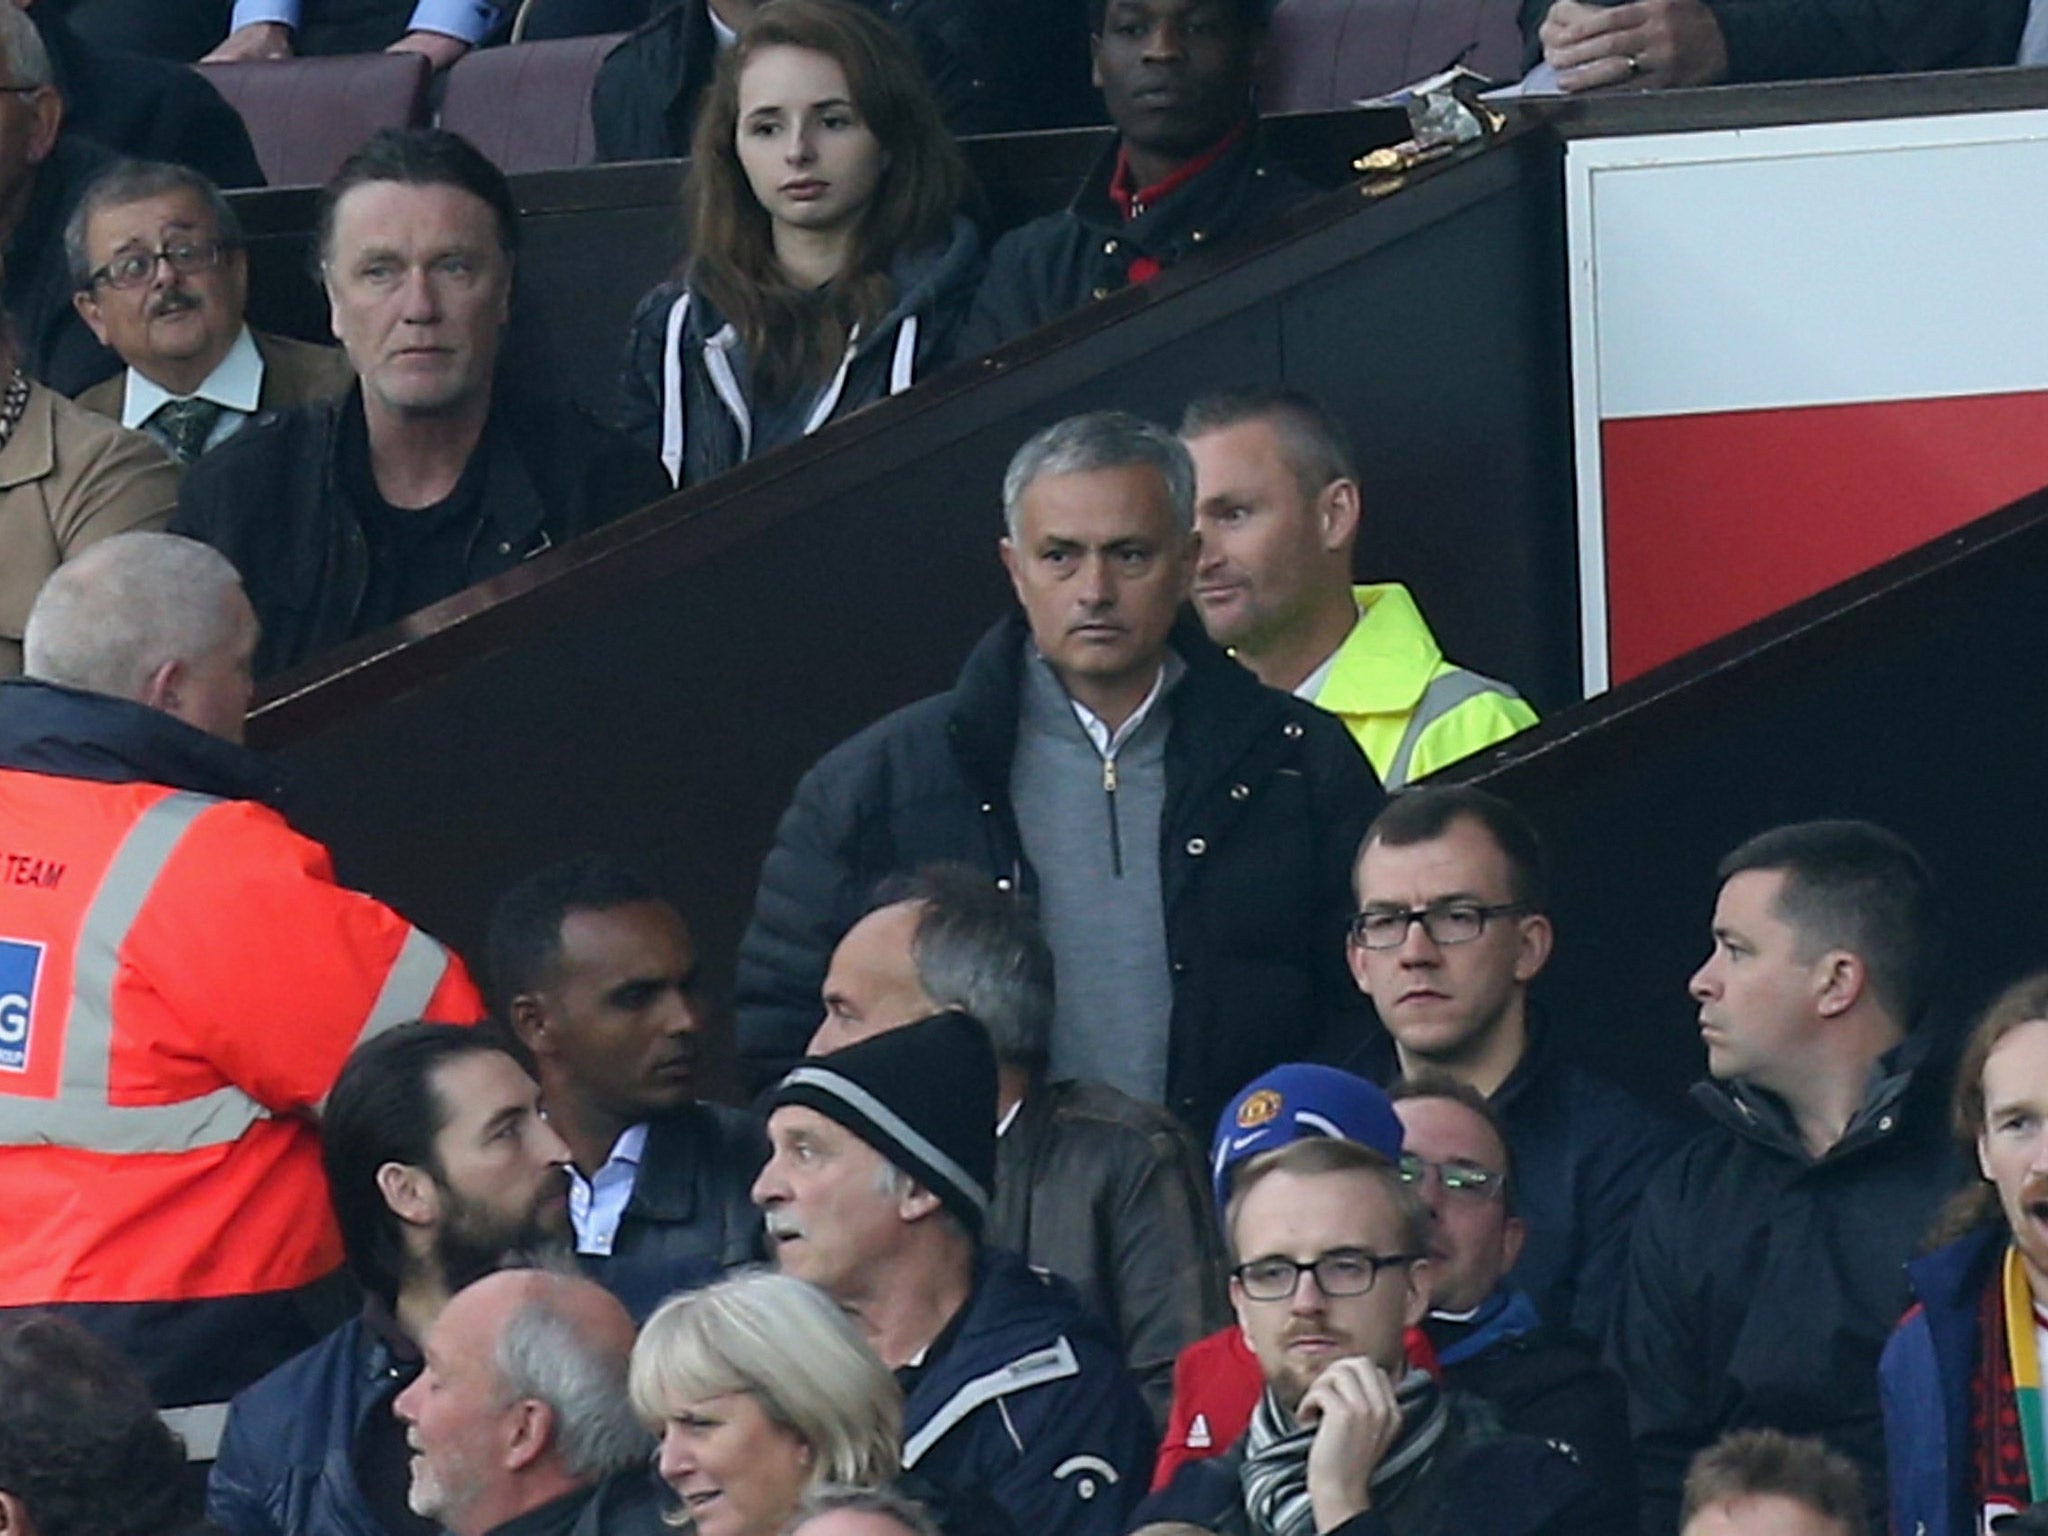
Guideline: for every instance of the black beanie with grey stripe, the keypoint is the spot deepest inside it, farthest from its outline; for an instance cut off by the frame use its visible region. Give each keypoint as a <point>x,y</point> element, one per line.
<point>924,1096</point>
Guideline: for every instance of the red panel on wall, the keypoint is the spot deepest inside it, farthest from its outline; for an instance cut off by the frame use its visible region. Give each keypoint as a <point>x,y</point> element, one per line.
<point>1716,520</point>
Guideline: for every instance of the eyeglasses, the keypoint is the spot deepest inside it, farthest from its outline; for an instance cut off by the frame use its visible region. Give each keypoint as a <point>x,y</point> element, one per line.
<point>138,267</point>
<point>1458,922</point>
<point>1466,1179</point>
<point>1340,1272</point>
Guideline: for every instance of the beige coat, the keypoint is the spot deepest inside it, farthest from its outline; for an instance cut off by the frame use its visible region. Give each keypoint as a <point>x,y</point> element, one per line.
<point>68,479</point>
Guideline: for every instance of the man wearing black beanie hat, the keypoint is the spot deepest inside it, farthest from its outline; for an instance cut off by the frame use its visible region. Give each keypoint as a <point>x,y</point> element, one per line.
<point>917,1097</point>
<point>876,1192</point>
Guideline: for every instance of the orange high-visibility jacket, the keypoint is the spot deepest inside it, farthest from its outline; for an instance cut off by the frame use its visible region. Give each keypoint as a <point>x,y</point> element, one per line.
<point>180,982</point>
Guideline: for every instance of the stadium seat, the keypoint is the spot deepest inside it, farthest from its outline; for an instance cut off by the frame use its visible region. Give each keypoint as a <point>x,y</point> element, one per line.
<point>527,105</point>
<point>306,116</point>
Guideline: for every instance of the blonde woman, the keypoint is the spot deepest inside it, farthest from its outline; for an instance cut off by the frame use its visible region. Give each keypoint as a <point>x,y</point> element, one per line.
<point>760,1387</point>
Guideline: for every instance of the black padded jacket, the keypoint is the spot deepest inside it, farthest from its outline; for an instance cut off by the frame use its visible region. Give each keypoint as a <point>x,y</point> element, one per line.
<point>1266,800</point>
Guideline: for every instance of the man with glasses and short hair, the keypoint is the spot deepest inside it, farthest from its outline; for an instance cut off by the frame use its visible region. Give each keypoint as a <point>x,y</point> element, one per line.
<point>155,253</point>
<point>1332,1268</point>
<point>1449,936</point>
<point>1486,1335</point>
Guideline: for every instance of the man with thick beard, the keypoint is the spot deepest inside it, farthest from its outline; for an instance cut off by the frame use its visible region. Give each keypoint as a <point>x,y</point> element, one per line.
<point>441,1168</point>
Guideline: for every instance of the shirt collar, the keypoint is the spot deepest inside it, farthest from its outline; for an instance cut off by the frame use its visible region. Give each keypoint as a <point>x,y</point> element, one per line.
<point>630,1147</point>
<point>1109,742</point>
<point>1310,686</point>
<point>236,383</point>
<point>1132,201</point>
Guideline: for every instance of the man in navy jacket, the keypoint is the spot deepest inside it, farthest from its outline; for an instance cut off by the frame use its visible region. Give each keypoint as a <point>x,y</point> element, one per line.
<point>440,1166</point>
<point>876,1192</point>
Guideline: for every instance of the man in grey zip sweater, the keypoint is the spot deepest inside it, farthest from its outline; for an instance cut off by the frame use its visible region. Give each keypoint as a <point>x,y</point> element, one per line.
<point>1184,831</point>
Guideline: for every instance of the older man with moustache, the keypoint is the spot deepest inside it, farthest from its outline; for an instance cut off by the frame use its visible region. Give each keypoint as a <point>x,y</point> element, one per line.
<point>156,254</point>
<point>1091,1184</point>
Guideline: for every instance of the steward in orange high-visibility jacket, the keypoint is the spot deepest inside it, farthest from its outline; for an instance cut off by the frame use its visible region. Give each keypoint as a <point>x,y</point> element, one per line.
<point>180,982</point>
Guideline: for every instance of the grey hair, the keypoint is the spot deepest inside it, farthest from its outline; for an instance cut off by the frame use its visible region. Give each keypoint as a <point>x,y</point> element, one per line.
<point>1103,440</point>
<point>1314,443</point>
<point>108,620</point>
<point>132,181</point>
<point>893,1181</point>
<point>545,1355</point>
<point>825,1498</point>
<point>898,1183</point>
<point>789,1347</point>
<point>28,60</point>
<point>979,949</point>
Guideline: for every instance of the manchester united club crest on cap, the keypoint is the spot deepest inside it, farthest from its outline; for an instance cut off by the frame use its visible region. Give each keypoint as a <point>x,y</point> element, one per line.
<point>1258,1109</point>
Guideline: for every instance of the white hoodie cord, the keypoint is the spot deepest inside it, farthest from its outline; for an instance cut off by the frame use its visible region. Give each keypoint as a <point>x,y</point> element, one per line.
<point>904,366</point>
<point>672,391</point>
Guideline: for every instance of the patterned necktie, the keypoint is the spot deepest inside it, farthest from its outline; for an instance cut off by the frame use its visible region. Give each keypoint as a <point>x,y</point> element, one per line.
<point>185,425</point>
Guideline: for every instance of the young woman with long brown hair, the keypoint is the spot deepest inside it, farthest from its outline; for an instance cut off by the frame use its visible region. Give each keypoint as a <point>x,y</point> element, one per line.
<point>829,264</point>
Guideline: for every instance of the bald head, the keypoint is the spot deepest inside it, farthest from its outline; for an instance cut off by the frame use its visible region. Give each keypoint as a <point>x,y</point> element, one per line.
<point>151,618</point>
<point>522,1400</point>
<point>873,983</point>
<point>585,1308</point>
<point>950,938</point>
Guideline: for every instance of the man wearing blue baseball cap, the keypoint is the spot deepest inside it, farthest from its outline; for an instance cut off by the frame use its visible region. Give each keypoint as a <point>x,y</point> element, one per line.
<point>1349,1435</point>
<point>1217,1380</point>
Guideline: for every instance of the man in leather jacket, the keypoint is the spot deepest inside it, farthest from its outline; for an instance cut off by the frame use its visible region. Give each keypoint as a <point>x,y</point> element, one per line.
<point>1091,1184</point>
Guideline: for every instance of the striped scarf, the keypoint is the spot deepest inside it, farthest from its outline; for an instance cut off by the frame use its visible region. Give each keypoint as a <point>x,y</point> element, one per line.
<point>1275,1470</point>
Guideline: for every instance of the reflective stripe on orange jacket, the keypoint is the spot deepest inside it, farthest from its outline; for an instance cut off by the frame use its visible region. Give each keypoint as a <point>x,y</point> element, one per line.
<point>180,982</point>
